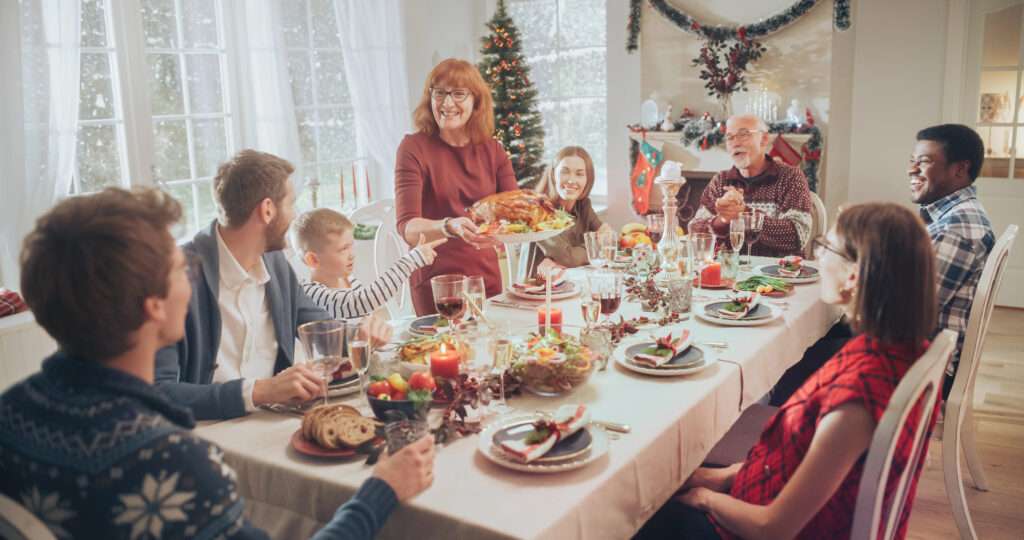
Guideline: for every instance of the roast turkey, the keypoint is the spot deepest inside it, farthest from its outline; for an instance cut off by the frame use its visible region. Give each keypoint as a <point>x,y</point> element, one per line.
<point>522,205</point>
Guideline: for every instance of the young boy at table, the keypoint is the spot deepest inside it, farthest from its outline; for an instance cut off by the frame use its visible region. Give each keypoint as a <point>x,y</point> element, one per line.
<point>325,238</point>
<point>88,445</point>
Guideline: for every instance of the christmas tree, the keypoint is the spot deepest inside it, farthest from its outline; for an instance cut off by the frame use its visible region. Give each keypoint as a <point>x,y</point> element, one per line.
<point>517,122</point>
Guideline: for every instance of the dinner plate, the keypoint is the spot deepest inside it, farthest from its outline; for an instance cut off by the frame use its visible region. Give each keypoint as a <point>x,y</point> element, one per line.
<point>688,366</point>
<point>685,358</point>
<point>571,447</point>
<point>566,289</point>
<point>486,446</point>
<point>310,448</point>
<point>424,326</point>
<point>808,274</point>
<point>345,386</point>
<point>761,314</point>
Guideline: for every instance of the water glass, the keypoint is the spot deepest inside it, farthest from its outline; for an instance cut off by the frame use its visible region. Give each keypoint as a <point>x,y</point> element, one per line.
<point>730,260</point>
<point>702,246</point>
<point>599,341</point>
<point>400,432</point>
<point>592,242</point>
<point>327,346</point>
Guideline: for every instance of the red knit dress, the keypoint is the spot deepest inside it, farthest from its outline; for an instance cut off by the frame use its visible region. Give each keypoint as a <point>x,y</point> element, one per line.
<point>434,180</point>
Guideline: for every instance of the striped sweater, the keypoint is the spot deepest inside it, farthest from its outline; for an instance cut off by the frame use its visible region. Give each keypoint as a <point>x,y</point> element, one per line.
<point>359,300</point>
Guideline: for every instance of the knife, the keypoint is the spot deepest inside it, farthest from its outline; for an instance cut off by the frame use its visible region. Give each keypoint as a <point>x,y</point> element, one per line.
<point>514,305</point>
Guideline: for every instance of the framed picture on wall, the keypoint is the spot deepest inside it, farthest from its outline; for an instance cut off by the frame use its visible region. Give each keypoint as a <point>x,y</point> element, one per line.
<point>994,108</point>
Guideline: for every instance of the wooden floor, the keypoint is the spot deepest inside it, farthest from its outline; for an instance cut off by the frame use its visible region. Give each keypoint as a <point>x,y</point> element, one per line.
<point>999,407</point>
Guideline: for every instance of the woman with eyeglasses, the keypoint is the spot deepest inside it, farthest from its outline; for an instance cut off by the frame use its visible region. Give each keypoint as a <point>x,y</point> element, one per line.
<point>451,162</point>
<point>567,182</point>
<point>801,478</point>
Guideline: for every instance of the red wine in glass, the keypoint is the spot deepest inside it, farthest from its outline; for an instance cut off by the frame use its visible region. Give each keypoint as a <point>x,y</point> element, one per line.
<point>610,304</point>
<point>451,307</point>
<point>655,236</point>
<point>752,235</point>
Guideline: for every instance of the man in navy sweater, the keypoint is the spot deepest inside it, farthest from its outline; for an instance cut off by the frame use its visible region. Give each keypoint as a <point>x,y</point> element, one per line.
<point>88,445</point>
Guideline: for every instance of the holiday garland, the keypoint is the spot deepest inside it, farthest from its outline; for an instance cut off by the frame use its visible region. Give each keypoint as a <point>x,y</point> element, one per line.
<point>840,19</point>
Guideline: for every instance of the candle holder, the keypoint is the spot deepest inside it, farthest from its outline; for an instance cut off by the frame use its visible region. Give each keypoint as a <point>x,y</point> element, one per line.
<point>670,181</point>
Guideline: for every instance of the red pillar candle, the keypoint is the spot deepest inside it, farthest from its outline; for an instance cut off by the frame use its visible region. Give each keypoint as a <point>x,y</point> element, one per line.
<point>556,319</point>
<point>444,363</point>
<point>711,275</point>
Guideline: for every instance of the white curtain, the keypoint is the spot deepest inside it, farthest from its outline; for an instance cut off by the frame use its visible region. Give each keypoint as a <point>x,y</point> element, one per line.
<point>373,44</point>
<point>266,109</point>
<point>40,66</point>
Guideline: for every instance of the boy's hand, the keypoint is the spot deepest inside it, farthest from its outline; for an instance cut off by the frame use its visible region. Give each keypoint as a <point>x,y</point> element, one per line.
<point>426,249</point>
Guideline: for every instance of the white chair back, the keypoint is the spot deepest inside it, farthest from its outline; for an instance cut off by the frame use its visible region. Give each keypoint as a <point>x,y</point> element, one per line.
<point>921,384</point>
<point>819,223</point>
<point>17,523</point>
<point>388,247</point>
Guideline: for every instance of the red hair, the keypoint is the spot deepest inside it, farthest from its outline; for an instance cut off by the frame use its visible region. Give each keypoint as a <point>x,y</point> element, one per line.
<point>455,73</point>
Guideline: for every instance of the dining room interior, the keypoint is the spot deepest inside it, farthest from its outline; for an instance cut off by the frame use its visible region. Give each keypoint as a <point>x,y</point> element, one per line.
<point>511,269</point>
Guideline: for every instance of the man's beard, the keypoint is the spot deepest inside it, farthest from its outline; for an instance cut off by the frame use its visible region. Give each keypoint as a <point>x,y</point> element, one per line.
<point>275,235</point>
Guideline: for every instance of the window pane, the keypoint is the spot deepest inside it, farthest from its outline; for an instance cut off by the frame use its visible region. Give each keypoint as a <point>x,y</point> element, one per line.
<point>331,86</point>
<point>99,163</point>
<point>584,122</point>
<point>1002,38</point>
<point>325,29</point>
<point>337,134</point>
<point>170,149</point>
<point>544,73</point>
<point>549,111</point>
<point>536,19</point>
<point>207,207</point>
<point>330,185</point>
<point>210,145</point>
<point>204,84</point>
<point>159,23</point>
<point>583,72</point>
<point>183,193</point>
<point>200,18</point>
<point>94,26</point>
<point>293,22</point>
<point>96,94</point>
<point>165,84</point>
<point>306,119</point>
<point>301,78</point>
<point>581,23</point>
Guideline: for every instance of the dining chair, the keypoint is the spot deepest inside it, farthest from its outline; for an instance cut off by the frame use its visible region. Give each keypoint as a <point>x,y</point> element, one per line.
<point>388,247</point>
<point>921,385</point>
<point>958,431</point>
<point>819,223</point>
<point>17,523</point>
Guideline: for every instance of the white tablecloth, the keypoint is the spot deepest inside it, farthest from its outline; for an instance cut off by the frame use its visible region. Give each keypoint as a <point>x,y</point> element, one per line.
<point>675,423</point>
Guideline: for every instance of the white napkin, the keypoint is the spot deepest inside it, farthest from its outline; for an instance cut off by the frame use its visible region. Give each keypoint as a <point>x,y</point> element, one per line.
<point>750,300</point>
<point>790,260</point>
<point>654,360</point>
<point>568,419</point>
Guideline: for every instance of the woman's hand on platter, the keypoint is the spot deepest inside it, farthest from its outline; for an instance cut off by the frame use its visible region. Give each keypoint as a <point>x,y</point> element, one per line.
<point>466,230</point>
<point>547,266</point>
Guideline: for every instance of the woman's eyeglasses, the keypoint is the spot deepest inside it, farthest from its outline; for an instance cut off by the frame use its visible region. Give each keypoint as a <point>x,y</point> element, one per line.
<point>820,244</point>
<point>458,95</point>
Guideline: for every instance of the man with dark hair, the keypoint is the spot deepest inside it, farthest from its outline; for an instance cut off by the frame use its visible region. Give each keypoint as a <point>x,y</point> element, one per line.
<point>946,160</point>
<point>87,445</point>
<point>246,303</point>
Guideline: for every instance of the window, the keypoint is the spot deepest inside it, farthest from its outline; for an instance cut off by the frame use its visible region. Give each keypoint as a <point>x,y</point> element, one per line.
<point>101,144</point>
<point>565,44</point>
<point>323,108</point>
<point>188,95</point>
<point>999,118</point>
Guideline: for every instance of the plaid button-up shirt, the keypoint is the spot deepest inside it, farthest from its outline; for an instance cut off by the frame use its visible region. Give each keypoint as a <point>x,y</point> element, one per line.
<point>962,236</point>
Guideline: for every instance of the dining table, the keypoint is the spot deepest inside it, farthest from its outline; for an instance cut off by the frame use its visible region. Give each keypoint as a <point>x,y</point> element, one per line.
<point>674,422</point>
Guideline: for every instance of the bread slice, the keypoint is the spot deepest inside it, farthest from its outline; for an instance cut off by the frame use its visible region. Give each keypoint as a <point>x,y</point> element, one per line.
<point>354,431</point>
<point>313,418</point>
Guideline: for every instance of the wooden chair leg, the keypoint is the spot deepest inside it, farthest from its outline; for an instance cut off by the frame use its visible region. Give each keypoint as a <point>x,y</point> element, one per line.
<point>974,463</point>
<point>953,474</point>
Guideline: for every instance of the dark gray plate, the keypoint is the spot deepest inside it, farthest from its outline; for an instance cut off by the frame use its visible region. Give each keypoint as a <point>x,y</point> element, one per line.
<point>572,446</point>
<point>773,271</point>
<point>688,358</point>
<point>424,325</point>
<point>760,312</point>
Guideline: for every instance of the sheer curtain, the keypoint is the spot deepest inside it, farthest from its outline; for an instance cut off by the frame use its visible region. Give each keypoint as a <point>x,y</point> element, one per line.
<point>40,63</point>
<point>373,42</point>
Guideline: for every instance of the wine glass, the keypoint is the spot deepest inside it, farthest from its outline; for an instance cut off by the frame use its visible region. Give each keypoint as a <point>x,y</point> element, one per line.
<point>606,289</point>
<point>753,224</point>
<point>655,226</point>
<point>502,351</point>
<point>476,293</point>
<point>592,242</point>
<point>449,296</point>
<point>590,308</point>
<point>703,248</point>
<point>737,230</point>
<point>609,245</point>
<point>324,344</point>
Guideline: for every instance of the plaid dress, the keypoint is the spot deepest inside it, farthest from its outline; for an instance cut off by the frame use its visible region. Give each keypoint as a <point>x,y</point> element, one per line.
<point>865,372</point>
<point>962,236</point>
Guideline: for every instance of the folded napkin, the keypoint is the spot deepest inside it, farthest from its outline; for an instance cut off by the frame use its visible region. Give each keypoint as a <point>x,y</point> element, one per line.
<point>568,419</point>
<point>532,287</point>
<point>790,266</point>
<point>748,300</point>
<point>655,360</point>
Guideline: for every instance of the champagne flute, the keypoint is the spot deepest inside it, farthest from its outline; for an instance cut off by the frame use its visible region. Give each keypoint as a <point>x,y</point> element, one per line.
<point>703,247</point>
<point>609,245</point>
<point>476,292</point>
<point>737,230</point>
<point>502,351</point>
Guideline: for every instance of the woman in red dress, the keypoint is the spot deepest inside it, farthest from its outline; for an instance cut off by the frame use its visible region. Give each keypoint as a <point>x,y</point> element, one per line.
<point>450,163</point>
<point>801,478</point>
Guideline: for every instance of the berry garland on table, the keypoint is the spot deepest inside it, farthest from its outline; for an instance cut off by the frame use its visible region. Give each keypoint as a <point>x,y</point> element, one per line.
<point>840,19</point>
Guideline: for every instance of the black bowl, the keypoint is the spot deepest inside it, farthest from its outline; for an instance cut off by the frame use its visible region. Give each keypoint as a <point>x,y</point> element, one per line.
<point>381,408</point>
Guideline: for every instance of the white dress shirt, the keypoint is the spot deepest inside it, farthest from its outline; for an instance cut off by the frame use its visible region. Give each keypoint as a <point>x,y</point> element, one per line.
<point>248,345</point>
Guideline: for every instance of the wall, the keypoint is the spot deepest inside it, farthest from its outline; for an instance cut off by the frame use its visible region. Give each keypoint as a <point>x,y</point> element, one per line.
<point>439,29</point>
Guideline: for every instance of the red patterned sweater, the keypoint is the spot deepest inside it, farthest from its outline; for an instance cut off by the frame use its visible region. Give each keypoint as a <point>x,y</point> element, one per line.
<point>781,192</point>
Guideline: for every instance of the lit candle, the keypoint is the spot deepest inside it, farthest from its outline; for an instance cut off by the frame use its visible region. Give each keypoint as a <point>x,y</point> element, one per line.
<point>355,190</point>
<point>341,186</point>
<point>549,318</point>
<point>444,363</point>
<point>711,275</point>
<point>369,194</point>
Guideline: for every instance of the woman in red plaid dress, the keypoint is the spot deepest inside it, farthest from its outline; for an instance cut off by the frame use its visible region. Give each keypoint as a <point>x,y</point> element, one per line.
<point>801,478</point>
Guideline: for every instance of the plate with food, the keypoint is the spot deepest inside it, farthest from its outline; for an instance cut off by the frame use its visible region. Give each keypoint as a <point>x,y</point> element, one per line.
<point>743,309</point>
<point>428,325</point>
<point>415,353</point>
<point>791,269</point>
<point>542,443</point>
<point>335,430</point>
<point>554,363</point>
<point>765,286</point>
<point>345,385</point>
<point>519,216</point>
<point>535,289</point>
<point>656,358</point>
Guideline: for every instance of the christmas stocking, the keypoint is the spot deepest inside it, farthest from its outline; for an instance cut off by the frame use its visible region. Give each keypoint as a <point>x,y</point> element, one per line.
<point>781,150</point>
<point>644,172</point>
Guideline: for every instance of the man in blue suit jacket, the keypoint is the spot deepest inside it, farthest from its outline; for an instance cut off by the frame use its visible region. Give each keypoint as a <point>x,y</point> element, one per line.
<point>246,304</point>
